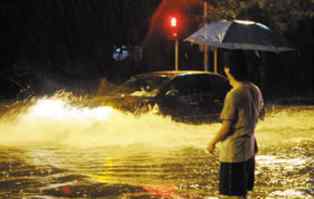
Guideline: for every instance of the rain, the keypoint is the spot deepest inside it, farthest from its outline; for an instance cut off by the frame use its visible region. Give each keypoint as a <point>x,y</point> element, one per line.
<point>59,138</point>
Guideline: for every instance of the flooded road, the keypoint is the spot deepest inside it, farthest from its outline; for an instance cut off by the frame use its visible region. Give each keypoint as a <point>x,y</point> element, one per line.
<point>60,148</point>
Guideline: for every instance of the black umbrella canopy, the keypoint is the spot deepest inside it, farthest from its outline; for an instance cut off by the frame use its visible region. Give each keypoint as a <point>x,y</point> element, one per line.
<point>239,34</point>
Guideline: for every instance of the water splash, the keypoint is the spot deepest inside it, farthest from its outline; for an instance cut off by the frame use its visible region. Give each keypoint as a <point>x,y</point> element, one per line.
<point>64,119</point>
<point>67,120</point>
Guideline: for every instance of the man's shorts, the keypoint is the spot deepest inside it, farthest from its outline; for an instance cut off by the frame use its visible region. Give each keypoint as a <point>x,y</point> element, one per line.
<point>236,179</point>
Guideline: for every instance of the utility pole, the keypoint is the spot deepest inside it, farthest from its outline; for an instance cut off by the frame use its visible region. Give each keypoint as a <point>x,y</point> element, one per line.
<point>215,60</point>
<point>177,54</point>
<point>205,47</point>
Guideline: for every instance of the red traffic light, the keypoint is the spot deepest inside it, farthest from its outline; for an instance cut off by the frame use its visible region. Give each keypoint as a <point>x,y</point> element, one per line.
<point>173,22</point>
<point>173,26</point>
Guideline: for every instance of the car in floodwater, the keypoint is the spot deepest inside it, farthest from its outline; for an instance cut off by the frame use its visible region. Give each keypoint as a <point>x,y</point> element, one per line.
<point>187,96</point>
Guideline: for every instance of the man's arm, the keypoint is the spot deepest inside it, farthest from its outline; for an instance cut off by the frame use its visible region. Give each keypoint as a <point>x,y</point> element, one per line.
<point>262,114</point>
<point>222,133</point>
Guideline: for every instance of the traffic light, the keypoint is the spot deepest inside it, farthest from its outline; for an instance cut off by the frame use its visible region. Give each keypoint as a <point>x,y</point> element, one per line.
<point>173,22</point>
<point>172,25</point>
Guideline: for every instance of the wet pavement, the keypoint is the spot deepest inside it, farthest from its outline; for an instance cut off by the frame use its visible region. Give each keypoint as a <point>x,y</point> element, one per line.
<point>72,151</point>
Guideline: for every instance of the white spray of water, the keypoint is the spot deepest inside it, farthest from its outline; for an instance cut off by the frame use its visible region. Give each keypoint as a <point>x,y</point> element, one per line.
<point>56,121</point>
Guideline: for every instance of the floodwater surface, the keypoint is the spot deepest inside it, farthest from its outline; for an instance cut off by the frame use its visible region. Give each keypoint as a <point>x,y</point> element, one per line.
<point>58,147</point>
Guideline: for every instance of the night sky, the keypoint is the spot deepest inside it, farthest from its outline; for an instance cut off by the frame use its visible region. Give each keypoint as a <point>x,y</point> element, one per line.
<point>73,40</point>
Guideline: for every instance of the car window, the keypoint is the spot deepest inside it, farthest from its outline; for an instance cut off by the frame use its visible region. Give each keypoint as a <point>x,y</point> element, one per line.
<point>204,84</point>
<point>199,83</point>
<point>189,84</point>
<point>220,86</point>
<point>142,85</point>
<point>183,85</point>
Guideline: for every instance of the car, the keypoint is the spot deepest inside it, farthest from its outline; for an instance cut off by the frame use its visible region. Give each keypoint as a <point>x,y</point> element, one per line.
<point>185,96</point>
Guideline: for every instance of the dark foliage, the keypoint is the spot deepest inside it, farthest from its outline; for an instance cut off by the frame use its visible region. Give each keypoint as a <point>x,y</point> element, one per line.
<point>71,41</point>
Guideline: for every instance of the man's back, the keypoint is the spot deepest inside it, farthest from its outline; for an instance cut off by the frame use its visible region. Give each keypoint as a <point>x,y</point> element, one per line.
<point>242,106</point>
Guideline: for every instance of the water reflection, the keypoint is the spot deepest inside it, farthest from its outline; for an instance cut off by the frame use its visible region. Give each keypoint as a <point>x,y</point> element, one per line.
<point>68,151</point>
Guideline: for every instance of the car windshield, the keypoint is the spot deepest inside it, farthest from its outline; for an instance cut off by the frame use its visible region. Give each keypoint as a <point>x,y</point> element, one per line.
<point>147,86</point>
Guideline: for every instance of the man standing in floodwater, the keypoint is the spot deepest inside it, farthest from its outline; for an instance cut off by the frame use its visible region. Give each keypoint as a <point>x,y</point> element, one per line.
<point>243,107</point>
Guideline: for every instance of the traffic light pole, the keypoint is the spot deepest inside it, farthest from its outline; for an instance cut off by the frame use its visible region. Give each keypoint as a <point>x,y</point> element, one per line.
<point>176,52</point>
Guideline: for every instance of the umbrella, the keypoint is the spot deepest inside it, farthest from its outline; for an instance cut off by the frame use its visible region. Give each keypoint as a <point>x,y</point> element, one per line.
<point>239,34</point>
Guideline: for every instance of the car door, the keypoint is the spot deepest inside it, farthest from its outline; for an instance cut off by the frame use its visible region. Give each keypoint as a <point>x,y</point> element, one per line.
<point>197,97</point>
<point>176,98</point>
<point>213,89</point>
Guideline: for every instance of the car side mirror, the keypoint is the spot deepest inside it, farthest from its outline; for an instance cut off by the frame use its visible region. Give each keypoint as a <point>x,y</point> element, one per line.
<point>172,93</point>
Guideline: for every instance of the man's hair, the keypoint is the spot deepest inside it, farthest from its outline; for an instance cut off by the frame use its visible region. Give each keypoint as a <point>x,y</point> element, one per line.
<point>236,62</point>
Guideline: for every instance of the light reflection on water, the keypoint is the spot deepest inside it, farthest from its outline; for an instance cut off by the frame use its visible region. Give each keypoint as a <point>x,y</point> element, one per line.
<point>55,148</point>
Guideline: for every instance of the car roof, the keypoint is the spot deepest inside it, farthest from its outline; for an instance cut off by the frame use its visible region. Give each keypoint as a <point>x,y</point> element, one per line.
<point>173,73</point>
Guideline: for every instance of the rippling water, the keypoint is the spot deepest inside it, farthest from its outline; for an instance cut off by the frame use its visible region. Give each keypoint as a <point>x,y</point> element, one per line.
<point>61,148</point>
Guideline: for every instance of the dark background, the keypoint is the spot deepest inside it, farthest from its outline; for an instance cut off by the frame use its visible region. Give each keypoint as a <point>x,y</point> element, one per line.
<point>69,43</point>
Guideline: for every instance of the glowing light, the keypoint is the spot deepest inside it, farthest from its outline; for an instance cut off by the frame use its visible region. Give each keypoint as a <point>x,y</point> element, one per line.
<point>173,22</point>
<point>246,22</point>
<point>60,110</point>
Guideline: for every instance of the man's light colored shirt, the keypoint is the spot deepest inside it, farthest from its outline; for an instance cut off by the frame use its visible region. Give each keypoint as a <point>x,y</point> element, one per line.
<point>242,106</point>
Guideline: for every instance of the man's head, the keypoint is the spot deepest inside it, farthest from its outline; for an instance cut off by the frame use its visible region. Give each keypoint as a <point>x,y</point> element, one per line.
<point>235,67</point>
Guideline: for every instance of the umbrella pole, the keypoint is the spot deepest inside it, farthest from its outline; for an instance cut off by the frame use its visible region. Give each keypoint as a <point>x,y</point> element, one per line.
<point>215,60</point>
